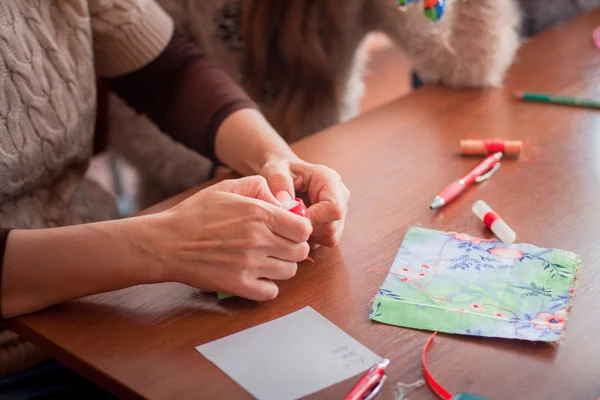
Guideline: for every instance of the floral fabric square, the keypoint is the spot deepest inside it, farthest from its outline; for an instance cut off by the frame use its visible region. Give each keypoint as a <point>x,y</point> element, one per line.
<point>455,283</point>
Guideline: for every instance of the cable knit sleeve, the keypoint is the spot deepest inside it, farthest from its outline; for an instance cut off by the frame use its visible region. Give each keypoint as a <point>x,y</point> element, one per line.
<point>127,34</point>
<point>161,73</point>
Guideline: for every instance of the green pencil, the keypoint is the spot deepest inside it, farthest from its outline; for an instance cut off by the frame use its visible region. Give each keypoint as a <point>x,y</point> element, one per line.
<point>562,100</point>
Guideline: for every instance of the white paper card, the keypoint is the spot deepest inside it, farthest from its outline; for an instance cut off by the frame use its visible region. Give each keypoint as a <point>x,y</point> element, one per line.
<point>290,357</point>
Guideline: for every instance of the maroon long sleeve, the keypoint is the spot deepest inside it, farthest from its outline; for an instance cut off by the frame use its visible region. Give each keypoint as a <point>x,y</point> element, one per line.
<point>3,239</point>
<point>183,93</point>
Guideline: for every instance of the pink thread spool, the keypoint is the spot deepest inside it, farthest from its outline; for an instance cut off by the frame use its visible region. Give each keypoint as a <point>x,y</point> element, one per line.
<point>296,206</point>
<point>484,147</point>
<point>494,222</point>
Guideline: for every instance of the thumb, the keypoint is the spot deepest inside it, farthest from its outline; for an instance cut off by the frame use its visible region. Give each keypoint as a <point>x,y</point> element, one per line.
<point>280,180</point>
<point>324,212</point>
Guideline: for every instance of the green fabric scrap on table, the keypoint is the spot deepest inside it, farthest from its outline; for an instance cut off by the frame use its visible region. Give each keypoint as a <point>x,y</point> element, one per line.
<point>455,283</point>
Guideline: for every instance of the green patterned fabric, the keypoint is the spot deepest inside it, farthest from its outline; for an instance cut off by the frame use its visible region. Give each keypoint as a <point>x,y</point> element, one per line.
<point>455,283</point>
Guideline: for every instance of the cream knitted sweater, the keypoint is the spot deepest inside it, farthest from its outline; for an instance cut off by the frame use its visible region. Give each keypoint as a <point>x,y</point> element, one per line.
<point>50,54</point>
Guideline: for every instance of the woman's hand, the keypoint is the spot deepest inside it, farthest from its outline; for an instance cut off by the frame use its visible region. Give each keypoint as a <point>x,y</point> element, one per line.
<point>328,195</point>
<point>248,144</point>
<point>234,238</point>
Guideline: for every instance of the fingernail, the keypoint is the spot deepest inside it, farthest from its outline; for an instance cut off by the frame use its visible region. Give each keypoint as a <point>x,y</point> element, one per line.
<point>283,196</point>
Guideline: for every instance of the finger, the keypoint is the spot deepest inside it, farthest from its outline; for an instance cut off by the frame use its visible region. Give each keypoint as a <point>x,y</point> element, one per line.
<point>259,290</point>
<point>277,269</point>
<point>325,212</point>
<point>289,225</point>
<point>287,250</point>
<point>313,246</point>
<point>328,229</point>
<point>279,178</point>
<point>283,196</point>
<point>329,240</point>
<point>253,186</point>
<point>281,182</point>
<point>331,203</point>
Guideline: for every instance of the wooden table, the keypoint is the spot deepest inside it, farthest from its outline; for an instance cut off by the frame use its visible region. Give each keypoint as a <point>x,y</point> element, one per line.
<point>140,342</point>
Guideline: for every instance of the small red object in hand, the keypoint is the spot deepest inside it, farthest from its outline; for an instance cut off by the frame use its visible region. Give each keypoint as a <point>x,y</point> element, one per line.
<point>298,207</point>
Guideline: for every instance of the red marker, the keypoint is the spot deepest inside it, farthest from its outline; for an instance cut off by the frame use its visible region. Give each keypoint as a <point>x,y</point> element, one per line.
<point>478,174</point>
<point>370,383</point>
<point>298,207</point>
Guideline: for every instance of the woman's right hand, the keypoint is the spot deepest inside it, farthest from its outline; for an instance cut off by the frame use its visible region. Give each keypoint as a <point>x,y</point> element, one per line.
<point>231,237</point>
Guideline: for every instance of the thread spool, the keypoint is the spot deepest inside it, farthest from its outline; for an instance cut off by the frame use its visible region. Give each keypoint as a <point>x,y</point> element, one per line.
<point>484,147</point>
<point>296,206</point>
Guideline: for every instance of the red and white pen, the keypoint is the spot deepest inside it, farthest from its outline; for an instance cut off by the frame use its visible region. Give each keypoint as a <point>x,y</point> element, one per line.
<point>478,174</point>
<point>370,383</point>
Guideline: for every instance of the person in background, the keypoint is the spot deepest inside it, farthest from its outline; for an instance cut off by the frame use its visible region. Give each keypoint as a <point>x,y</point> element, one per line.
<point>57,239</point>
<point>542,14</point>
<point>302,61</point>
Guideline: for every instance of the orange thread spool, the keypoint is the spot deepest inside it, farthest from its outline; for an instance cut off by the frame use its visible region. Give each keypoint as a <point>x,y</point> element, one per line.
<point>483,147</point>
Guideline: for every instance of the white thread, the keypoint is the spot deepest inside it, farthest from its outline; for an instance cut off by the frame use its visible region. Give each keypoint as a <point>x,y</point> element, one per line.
<point>401,388</point>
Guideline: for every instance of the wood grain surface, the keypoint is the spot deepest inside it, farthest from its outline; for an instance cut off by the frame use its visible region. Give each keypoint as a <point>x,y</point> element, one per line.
<point>139,342</point>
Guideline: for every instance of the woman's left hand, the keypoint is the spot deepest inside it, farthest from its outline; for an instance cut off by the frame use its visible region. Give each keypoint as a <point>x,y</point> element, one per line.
<point>327,193</point>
